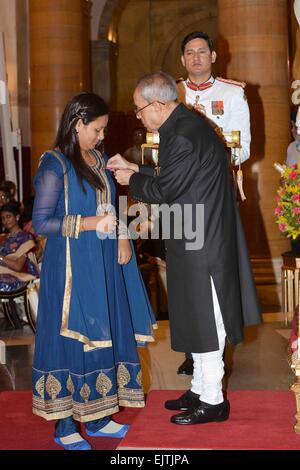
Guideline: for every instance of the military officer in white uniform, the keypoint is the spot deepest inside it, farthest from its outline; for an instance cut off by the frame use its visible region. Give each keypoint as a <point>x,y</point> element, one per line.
<point>222,101</point>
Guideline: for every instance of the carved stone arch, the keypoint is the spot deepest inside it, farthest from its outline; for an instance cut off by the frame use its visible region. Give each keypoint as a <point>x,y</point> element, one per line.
<point>186,26</point>
<point>109,18</point>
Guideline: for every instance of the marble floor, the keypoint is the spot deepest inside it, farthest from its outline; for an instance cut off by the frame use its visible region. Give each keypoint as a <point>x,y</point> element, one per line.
<point>258,363</point>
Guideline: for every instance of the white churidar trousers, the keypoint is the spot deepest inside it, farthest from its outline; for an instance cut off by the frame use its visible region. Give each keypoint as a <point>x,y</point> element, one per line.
<point>209,367</point>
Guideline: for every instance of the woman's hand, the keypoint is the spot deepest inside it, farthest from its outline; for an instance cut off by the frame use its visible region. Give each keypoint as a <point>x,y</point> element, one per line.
<point>124,251</point>
<point>14,264</point>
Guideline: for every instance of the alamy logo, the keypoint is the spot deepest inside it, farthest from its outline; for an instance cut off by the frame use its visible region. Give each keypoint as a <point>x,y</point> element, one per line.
<point>296,94</point>
<point>167,221</point>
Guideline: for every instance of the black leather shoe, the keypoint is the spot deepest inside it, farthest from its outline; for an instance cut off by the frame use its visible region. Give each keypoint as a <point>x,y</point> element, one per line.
<point>188,401</point>
<point>205,413</point>
<point>187,367</point>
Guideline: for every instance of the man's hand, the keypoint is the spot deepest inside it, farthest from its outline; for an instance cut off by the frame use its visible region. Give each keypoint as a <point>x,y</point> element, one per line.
<point>117,162</point>
<point>200,108</point>
<point>123,176</point>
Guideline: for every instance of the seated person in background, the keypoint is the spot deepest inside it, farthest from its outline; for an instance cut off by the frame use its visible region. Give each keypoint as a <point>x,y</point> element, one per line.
<point>11,188</point>
<point>293,150</point>
<point>4,195</point>
<point>4,199</point>
<point>16,267</point>
<point>134,153</point>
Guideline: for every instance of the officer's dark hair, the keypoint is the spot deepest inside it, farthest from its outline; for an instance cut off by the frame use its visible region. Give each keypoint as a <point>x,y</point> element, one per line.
<point>195,35</point>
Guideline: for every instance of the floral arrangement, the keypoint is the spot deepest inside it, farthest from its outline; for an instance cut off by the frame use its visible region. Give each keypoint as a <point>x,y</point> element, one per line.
<point>288,202</point>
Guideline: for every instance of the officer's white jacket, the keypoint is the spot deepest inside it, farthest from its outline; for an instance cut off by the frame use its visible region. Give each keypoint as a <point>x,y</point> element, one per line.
<point>226,105</point>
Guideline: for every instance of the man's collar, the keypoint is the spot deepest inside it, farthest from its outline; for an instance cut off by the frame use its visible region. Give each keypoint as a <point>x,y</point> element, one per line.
<point>203,86</point>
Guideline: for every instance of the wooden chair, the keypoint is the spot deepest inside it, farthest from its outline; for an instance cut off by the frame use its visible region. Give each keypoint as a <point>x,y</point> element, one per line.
<point>28,295</point>
<point>9,300</point>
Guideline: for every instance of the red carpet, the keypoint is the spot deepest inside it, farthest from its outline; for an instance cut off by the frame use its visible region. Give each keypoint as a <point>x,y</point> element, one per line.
<point>258,420</point>
<point>21,430</point>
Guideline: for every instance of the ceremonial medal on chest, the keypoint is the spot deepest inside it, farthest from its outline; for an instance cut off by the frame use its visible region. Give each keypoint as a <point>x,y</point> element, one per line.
<point>217,108</point>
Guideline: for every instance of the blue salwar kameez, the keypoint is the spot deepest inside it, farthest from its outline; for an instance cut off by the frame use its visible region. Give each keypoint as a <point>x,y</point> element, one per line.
<point>93,312</point>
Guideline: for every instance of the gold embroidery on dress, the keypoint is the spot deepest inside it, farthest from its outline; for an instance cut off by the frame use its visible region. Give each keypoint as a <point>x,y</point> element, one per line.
<point>53,386</point>
<point>103,384</point>
<point>85,392</point>
<point>40,386</point>
<point>103,195</point>
<point>70,385</point>
<point>139,378</point>
<point>123,376</point>
<point>131,397</point>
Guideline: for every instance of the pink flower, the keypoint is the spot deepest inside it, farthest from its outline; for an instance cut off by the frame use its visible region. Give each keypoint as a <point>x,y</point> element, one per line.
<point>295,210</point>
<point>296,197</point>
<point>278,210</point>
<point>298,221</point>
<point>282,227</point>
<point>293,175</point>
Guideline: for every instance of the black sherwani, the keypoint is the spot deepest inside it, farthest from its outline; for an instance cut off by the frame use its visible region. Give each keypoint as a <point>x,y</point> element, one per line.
<point>194,170</point>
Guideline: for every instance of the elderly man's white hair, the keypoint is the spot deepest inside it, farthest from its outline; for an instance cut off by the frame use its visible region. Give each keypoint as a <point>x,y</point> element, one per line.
<point>157,86</point>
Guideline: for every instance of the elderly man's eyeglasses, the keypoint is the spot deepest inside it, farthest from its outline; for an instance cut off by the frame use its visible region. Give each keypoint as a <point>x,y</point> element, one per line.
<point>138,110</point>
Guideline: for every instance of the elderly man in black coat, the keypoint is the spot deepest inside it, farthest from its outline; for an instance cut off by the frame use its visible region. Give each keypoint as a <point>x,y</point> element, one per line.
<point>211,292</point>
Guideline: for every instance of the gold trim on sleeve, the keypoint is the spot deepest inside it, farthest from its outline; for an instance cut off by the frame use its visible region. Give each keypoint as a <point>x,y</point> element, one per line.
<point>77,227</point>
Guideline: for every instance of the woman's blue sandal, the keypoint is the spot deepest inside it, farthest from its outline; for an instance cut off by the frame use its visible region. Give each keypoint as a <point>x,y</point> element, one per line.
<point>119,434</point>
<point>79,445</point>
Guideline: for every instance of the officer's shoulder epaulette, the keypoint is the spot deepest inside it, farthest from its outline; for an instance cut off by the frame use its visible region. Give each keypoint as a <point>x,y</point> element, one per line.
<point>179,80</point>
<point>231,82</point>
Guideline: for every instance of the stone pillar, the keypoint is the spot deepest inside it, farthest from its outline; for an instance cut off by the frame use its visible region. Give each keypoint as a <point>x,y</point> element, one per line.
<point>253,47</point>
<point>104,78</point>
<point>59,64</point>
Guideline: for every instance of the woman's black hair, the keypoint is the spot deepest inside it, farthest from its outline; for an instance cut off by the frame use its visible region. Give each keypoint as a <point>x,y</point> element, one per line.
<point>88,107</point>
<point>6,191</point>
<point>9,186</point>
<point>12,207</point>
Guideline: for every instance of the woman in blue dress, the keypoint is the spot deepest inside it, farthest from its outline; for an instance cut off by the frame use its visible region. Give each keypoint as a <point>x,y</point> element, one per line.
<point>93,307</point>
